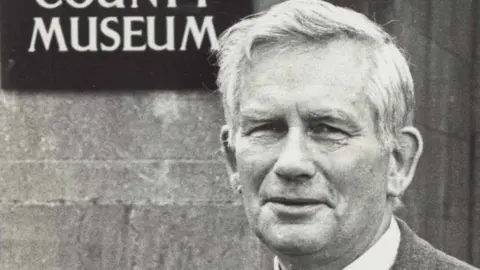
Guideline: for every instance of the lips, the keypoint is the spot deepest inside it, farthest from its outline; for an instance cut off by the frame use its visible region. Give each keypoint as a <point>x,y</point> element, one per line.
<point>294,201</point>
<point>295,208</point>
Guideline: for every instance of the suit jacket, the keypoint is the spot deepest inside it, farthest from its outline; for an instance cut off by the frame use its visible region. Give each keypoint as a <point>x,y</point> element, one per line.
<point>416,253</point>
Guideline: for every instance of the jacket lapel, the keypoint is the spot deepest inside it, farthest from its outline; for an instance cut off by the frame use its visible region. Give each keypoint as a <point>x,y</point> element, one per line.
<point>413,252</point>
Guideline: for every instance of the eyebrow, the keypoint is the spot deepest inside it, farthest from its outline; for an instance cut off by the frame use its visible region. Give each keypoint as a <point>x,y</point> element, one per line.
<point>331,115</point>
<point>259,117</point>
<point>256,115</point>
<point>327,114</point>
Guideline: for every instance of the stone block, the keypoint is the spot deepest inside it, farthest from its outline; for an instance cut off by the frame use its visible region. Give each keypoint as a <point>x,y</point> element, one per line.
<point>476,92</point>
<point>184,237</point>
<point>60,236</point>
<point>442,19</point>
<point>433,171</point>
<point>457,187</point>
<point>415,202</point>
<point>46,237</point>
<point>404,12</point>
<point>199,182</point>
<point>110,181</point>
<point>126,126</point>
<point>477,22</point>
<point>415,199</point>
<point>449,93</point>
<point>457,200</point>
<point>451,26</point>
<point>420,14</point>
<point>463,31</point>
<point>477,151</point>
<point>445,169</point>
<point>416,47</point>
<point>475,231</point>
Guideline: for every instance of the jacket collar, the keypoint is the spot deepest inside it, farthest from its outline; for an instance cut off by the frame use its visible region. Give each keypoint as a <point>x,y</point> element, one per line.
<point>413,252</point>
<point>381,255</point>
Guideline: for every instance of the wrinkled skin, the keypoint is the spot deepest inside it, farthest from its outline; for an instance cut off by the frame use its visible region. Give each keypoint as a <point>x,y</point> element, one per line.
<point>313,171</point>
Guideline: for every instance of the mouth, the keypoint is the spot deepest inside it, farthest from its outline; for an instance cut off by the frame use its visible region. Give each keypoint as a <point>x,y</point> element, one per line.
<point>295,208</point>
<point>294,201</point>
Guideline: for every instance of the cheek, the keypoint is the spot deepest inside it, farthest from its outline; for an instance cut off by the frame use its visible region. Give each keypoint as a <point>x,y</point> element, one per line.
<point>253,164</point>
<point>359,174</point>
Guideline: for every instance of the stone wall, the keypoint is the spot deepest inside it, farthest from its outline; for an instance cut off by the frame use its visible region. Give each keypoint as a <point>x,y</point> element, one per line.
<point>117,181</point>
<point>439,37</point>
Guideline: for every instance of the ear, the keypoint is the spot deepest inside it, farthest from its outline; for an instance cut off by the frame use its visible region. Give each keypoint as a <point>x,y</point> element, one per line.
<point>228,151</point>
<point>404,160</point>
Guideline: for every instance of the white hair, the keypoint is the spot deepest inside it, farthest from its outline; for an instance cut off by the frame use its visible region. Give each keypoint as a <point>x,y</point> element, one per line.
<point>389,87</point>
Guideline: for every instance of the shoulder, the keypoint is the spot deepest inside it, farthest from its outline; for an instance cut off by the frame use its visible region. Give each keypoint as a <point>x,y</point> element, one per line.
<point>445,261</point>
<point>416,253</point>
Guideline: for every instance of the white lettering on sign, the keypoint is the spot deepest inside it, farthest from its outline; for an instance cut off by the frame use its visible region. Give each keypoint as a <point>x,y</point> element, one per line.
<point>170,42</point>
<point>200,3</point>
<point>126,33</point>
<point>113,4</point>
<point>198,34</point>
<point>55,30</point>
<point>92,35</point>
<point>129,33</point>
<point>135,3</point>
<point>74,4</point>
<point>110,33</point>
<point>134,28</point>
<point>45,4</point>
<point>79,4</point>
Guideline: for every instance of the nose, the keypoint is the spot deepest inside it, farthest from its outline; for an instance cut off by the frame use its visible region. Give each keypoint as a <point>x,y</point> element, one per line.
<point>295,161</point>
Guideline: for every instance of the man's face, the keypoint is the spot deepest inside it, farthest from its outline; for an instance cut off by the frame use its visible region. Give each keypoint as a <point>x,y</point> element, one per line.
<point>312,168</point>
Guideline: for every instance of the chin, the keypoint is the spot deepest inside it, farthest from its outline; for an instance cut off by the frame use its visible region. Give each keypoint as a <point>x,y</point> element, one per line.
<point>294,240</point>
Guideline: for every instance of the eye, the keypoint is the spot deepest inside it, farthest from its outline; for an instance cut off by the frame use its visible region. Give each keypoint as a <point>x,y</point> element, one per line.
<point>273,128</point>
<point>323,128</point>
<point>328,132</point>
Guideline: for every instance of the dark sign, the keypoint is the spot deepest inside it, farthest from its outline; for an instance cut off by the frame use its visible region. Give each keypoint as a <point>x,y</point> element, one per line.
<point>113,44</point>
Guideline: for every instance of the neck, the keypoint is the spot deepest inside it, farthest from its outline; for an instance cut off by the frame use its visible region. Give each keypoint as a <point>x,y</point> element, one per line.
<point>332,261</point>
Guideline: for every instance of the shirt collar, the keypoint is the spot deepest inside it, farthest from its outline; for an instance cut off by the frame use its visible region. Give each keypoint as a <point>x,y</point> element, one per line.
<point>381,256</point>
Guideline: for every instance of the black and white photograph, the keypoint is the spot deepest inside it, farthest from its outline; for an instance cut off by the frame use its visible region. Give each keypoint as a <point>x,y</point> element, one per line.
<point>239,134</point>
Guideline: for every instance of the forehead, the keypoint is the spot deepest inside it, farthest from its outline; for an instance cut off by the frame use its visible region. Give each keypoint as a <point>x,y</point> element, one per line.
<point>330,60</point>
<point>333,75</point>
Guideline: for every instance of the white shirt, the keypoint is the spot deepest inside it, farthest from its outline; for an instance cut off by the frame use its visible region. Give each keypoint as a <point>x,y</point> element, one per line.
<point>381,256</point>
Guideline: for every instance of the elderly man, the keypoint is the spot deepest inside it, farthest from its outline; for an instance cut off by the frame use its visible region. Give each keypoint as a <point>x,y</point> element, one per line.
<point>319,139</point>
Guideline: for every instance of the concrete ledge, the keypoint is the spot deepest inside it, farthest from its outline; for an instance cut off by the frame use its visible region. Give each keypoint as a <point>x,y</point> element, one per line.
<point>111,181</point>
<point>79,126</point>
<point>169,237</point>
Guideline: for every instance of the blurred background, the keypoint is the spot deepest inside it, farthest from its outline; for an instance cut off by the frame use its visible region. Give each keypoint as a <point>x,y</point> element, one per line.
<point>135,179</point>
